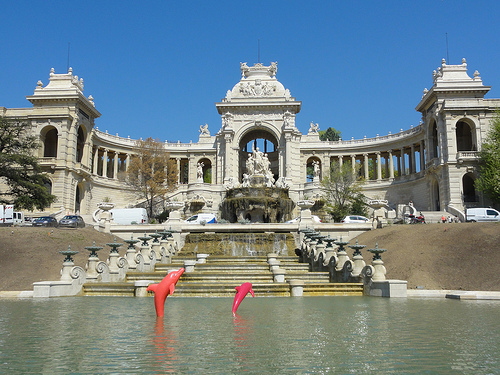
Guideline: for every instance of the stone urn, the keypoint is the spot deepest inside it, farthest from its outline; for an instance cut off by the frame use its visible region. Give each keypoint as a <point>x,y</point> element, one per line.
<point>174,206</point>
<point>305,204</point>
<point>105,217</point>
<point>105,206</point>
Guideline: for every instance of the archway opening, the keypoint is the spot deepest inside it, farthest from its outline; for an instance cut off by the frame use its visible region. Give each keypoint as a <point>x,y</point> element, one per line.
<point>265,142</point>
<point>77,200</point>
<point>464,137</point>
<point>434,149</point>
<point>469,191</point>
<point>206,170</point>
<point>80,143</point>
<point>49,139</point>
<point>313,169</point>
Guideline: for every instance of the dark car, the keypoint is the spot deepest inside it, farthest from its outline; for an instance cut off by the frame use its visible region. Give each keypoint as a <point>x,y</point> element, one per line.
<point>44,221</point>
<point>72,221</point>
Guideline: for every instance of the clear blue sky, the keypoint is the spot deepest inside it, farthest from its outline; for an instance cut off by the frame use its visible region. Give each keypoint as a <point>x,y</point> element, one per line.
<point>156,68</point>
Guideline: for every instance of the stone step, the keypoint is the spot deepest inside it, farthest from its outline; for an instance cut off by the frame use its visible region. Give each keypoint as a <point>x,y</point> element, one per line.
<point>337,289</point>
<point>109,289</point>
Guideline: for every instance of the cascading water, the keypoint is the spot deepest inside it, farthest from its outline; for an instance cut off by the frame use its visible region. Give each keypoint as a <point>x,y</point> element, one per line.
<point>239,244</point>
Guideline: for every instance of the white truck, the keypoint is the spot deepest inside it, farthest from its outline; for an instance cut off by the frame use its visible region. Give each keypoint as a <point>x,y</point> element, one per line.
<point>129,216</point>
<point>10,217</point>
<point>482,214</point>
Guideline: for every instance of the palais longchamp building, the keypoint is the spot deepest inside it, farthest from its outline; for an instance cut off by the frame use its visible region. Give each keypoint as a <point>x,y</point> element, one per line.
<point>434,164</point>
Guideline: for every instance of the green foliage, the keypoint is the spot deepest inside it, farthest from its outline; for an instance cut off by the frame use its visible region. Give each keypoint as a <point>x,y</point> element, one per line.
<point>207,178</point>
<point>330,134</point>
<point>489,164</point>
<point>19,169</point>
<point>342,191</point>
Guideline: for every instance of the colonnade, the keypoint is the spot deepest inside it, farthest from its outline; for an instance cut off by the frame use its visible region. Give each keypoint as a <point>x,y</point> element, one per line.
<point>386,164</point>
<point>107,163</point>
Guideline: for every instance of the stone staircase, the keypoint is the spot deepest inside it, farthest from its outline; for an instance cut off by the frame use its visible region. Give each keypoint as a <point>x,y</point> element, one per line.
<point>221,274</point>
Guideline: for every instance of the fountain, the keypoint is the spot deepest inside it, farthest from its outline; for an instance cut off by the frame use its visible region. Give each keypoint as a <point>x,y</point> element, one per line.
<point>258,199</point>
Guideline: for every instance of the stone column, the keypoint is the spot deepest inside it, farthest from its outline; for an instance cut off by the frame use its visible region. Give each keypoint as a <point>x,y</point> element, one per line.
<point>365,166</point>
<point>379,166</point>
<point>403,163</point>
<point>178,160</point>
<point>422,155</point>
<point>96,161</point>
<point>353,163</point>
<point>413,168</point>
<point>127,162</point>
<point>341,161</point>
<point>115,166</point>
<point>391,165</point>
<point>105,163</point>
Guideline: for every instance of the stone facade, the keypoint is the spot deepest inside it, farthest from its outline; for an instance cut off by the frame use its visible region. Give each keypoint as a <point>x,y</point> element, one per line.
<point>433,164</point>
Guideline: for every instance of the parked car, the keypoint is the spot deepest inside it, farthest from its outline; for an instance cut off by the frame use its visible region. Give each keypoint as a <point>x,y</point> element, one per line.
<point>315,218</point>
<point>202,219</point>
<point>355,219</point>
<point>72,221</point>
<point>44,221</point>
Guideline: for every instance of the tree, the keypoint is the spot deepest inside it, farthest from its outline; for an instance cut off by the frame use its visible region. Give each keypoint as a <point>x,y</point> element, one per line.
<point>342,191</point>
<point>330,134</point>
<point>489,163</point>
<point>151,171</point>
<point>22,182</point>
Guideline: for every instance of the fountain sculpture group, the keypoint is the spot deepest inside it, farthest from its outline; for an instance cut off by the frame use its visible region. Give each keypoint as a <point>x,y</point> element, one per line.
<point>259,197</point>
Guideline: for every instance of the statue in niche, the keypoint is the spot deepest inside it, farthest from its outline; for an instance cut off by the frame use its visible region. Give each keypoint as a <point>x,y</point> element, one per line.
<point>204,130</point>
<point>315,164</point>
<point>199,172</point>
<point>258,157</point>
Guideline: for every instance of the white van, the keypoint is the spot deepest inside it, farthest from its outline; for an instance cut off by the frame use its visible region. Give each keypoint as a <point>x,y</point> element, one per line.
<point>128,216</point>
<point>202,219</point>
<point>482,214</point>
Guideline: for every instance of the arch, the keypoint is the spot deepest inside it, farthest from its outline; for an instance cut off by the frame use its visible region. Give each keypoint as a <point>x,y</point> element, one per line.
<point>434,140</point>
<point>49,137</point>
<point>264,140</point>
<point>464,135</point>
<point>207,170</point>
<point>313,171</point>
<point>468,188</point>
<point>80,144</point>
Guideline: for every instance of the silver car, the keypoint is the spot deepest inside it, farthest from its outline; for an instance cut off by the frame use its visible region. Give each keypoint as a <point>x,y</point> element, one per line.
<point>72,221</point>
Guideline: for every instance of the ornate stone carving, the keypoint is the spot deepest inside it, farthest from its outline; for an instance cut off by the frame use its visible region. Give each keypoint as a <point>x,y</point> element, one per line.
<point>204,130</point>
<point>258,89</point>
<point>313,129</point>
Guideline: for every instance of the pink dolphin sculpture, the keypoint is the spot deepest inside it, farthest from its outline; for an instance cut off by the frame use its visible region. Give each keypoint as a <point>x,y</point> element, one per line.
<point>241,292</point>
<point>163,289</point>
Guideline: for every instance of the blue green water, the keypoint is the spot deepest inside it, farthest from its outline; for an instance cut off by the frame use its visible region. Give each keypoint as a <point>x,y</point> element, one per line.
<point>311,335</point>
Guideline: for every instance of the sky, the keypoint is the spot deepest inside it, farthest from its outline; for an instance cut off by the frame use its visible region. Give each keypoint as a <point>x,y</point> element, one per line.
<point>157,68</point>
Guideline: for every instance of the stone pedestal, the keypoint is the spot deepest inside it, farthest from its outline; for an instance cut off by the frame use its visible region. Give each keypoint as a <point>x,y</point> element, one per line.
<point>342,258</point>
<point>155,249</point>
<point>379,270</point>
<point>279,275</point>
<point>296,288</point>
<point>189,265</point>
<point>273,265</point>
<point>358,265</point>
<point>141,287</point>
<point>201,258</point>
<point>118,267</point>
<point>389,288</point>
<point>272,257</point>
<point>149,257</point>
